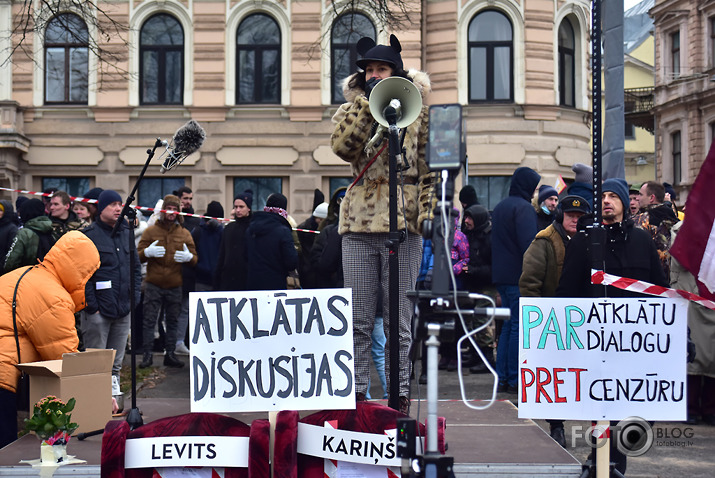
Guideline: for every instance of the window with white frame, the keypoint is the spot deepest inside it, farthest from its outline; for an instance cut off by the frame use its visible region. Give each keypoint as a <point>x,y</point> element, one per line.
<point>567,64</point>
<point>161,61</point>
<point>261,188</point>
<point>258,62</point>
<point>675,54</point>
<point>491,58</point>
<point>347,29</point>
<point>675,148</point>
<point>66,60</point>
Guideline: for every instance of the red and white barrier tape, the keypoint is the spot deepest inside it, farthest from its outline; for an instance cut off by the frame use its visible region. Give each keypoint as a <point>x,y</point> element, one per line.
<point>600,277</point>
<point>141,208</point>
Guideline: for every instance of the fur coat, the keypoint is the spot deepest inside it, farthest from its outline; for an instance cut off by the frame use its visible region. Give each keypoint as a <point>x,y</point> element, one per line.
<point>365,208</point>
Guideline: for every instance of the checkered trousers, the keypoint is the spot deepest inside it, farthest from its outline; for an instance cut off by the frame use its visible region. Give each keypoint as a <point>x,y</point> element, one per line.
<point>365,265</point>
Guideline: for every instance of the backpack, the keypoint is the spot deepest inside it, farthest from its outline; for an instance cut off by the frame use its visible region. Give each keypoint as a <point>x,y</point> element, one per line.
<point>44,245</point>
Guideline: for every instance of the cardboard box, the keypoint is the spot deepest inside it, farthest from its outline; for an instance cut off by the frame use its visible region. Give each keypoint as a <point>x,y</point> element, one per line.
<point>86,376</point>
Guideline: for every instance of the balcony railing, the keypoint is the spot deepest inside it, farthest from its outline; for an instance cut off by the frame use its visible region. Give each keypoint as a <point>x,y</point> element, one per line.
<point>638,103</point>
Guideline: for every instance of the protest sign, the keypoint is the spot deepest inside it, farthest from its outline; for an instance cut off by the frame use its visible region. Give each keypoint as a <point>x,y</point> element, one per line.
<point>602,359</point>
<point>271,350</point>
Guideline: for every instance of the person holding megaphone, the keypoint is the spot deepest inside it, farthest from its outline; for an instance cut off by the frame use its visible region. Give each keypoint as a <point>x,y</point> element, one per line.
<point>360,139</point>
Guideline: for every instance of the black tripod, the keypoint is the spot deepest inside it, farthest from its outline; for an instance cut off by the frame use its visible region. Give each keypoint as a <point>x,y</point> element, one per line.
<point>134,417</point>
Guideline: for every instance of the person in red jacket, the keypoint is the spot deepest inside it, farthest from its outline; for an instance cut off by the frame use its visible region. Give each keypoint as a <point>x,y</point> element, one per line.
<point>48,296</point>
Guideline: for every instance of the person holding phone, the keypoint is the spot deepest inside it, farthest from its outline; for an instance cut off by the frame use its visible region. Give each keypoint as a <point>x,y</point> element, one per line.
<point>364,212</point>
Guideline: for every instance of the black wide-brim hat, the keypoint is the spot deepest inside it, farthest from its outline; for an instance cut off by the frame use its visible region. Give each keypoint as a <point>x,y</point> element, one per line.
<point>369,51</point>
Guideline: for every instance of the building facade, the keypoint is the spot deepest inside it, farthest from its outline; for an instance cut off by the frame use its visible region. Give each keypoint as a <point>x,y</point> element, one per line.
<point>684,101</point>
<point>263,78</point>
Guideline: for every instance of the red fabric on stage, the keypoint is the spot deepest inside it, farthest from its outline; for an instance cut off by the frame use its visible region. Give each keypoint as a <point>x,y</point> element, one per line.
<point>192,424</point>
<point>368,417</point>
<point>285,451</point>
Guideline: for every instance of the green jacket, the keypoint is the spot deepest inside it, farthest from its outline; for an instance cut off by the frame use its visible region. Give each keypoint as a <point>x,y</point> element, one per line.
<point>543,261</point>
<point>23,251</point>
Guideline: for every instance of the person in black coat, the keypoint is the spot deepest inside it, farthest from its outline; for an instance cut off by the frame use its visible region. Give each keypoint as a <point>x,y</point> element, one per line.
<point>270,250</point>
<point>106,320</point>
<point>231,263</point>
<point>8,229</point>
<point>629,252</point>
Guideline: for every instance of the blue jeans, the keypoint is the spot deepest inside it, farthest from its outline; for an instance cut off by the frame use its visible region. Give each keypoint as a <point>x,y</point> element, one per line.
<point>378,355</point>
<point>508,347</point>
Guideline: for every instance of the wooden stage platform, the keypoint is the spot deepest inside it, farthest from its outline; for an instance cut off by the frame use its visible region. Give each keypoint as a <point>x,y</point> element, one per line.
<point>488,443</point>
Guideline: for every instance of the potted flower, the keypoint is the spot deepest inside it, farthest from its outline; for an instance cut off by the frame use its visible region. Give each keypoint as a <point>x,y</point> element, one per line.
<point>52,422</point>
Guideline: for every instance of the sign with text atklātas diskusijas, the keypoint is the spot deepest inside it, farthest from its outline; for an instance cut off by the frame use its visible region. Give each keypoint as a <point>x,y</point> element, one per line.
<point>602,359</point>
<point>271,350</point>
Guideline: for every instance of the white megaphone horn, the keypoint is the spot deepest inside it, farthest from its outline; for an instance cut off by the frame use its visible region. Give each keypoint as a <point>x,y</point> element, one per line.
<point>399,93</point>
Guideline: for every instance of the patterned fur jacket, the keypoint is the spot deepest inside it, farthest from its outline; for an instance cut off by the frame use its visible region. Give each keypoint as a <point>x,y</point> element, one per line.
<point>365,207</point>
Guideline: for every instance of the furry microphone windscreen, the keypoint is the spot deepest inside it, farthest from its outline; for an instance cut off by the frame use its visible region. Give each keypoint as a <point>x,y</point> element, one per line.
<point>189,138</point>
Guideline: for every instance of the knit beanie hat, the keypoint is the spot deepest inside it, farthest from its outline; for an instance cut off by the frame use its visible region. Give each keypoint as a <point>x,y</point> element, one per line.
<point>93,193</point>
<point>20,201</point>
<point>171,200</point>
<point>545,192</point>
<point>584,173</point>
<point>277,200</point>
<point>31,209</point>
<point>318,197</point>
<point>468,196</point>
<point>620,187</point>
<point>215,209</point>
<point>106,198</point>
<point>369,51</point>
<point>246,196</point>
<point>670,190</point>
<point>321,211</point>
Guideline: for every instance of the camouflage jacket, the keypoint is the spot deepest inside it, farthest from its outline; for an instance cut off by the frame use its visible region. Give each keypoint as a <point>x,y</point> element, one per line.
<point>658,220</point>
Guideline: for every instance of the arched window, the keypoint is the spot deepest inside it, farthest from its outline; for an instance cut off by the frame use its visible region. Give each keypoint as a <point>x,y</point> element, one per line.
<point>161,69</point>
<point>491,58</point>
<point>66,60</point>
<point>347,30</point>
<point>567,72</point>
<point>258,66</point>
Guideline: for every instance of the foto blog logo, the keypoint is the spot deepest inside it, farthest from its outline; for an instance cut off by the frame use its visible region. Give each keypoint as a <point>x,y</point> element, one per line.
<point>633,436</point>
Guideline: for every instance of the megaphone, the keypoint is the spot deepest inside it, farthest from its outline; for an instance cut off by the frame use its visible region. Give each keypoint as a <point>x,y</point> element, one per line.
<point>399,93</point>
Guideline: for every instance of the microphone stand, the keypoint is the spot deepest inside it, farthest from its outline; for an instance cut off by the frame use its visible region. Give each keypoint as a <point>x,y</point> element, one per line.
<point>134,417</point>
<point>393,246</point>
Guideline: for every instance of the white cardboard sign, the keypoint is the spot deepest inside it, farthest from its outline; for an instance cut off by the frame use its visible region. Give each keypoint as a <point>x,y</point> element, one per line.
<point>179,451</point>
<point>602,359</point>
<point>347,446</point>
<point>271,350</point>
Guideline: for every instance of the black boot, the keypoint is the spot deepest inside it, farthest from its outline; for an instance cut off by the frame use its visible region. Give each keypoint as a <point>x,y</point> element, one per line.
<point>170,360</point>
<point>147,360</point>
<point>481,366</point>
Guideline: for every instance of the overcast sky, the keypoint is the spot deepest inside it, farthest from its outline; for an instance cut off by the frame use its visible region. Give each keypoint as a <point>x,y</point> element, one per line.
<point>629,3</point>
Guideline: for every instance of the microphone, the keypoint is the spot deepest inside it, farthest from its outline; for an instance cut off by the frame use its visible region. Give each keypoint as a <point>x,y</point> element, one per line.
<point>186,141</point>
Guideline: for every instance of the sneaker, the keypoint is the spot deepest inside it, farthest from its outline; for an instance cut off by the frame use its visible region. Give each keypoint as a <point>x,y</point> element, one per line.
<point>170,360</point>
<point>181,349</point>
<point>443,362</point>
<point>404,405</point>
<point>147,360</point>
<point>479,368</point>
<point>116,390</point>
<point>558,435</point>
<point>423,379</point>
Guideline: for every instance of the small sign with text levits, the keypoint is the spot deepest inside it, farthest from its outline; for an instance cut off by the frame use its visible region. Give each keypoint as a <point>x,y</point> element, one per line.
<point>271,350</point>
<point>170,454</point>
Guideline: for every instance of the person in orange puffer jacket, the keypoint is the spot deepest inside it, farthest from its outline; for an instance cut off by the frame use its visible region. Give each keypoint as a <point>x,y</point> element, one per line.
<point>48,296</point>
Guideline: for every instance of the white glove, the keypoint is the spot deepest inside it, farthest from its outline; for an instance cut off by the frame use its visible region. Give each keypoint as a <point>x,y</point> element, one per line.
<point>183,256</point>
<point>155,250</point>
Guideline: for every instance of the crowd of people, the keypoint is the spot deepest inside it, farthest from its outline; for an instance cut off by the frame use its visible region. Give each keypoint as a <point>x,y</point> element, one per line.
<point>533,243</point>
